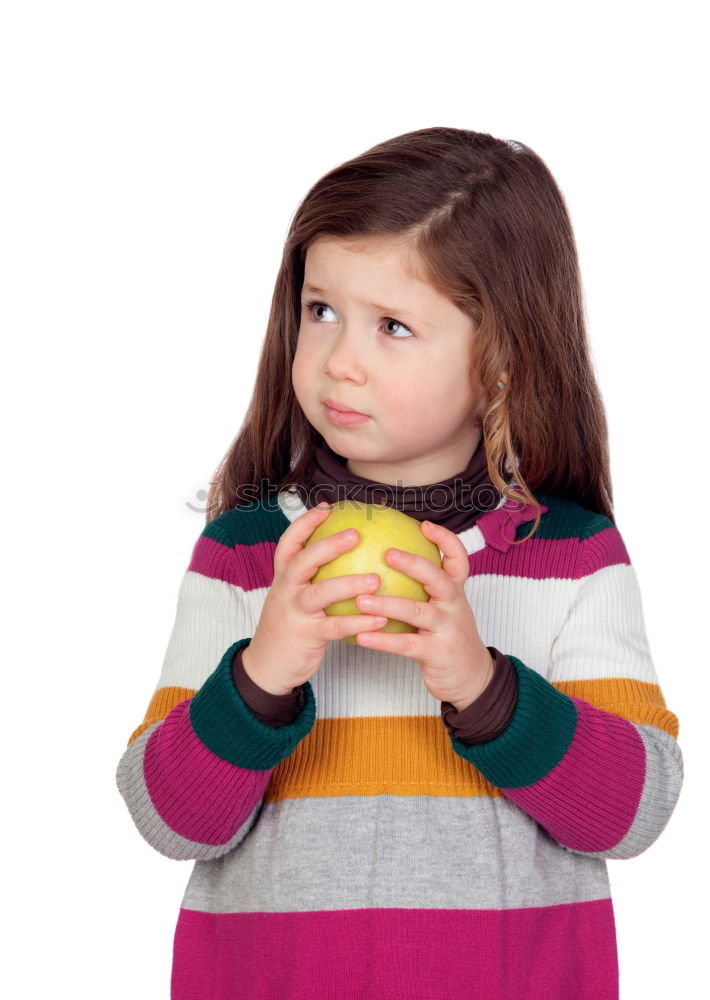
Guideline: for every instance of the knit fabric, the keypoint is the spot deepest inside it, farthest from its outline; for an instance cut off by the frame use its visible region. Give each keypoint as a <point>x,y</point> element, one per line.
<point>363,850</point>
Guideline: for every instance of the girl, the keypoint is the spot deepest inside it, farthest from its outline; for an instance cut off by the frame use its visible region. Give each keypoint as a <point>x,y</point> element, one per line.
<point>423,814</point>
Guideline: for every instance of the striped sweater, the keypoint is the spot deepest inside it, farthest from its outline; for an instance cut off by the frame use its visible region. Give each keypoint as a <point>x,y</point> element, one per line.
<point>363,850</point>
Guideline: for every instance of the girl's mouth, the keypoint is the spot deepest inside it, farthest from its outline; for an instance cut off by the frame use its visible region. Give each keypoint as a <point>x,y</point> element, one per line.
<point>345,419</point>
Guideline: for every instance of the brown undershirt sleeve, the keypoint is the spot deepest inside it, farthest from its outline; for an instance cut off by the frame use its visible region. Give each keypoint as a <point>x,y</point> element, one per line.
<point>480,722</point>
<point>273,709</point>
<point>489,714</point>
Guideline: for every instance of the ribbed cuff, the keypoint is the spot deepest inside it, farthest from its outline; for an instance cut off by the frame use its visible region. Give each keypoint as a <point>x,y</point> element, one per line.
<point>536,738</point>
<point>227,727</point>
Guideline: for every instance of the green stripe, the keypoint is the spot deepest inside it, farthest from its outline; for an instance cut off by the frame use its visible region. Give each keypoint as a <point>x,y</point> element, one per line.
<point>259,521</point>
<point>227,727</point>
<point>536,739</point>
<point>564,519</point>
<point>264,521</point>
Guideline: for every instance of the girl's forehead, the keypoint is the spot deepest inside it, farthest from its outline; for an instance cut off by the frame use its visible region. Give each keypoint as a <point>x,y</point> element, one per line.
<point>398,248</point>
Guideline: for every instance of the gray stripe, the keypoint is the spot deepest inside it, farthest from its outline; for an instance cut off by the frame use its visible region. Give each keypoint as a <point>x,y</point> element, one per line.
<point>131,784</point>
<point>661,788</point>
<point>391,851</point>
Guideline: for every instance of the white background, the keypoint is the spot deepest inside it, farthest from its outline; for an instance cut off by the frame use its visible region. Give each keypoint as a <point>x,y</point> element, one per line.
<point>154,154</point>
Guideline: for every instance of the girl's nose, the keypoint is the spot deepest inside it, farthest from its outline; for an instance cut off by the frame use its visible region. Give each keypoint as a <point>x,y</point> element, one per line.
<point>345,357</point>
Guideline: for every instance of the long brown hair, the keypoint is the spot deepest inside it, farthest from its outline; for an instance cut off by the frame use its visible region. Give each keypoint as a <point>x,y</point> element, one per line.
<point>492,231</point>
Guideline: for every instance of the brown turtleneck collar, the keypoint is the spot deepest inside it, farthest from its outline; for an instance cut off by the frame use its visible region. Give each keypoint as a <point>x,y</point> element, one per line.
<point>457,503</point>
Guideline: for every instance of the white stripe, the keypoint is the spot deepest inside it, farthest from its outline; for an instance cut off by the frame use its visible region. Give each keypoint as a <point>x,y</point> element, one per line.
<point>566,630</point>
<point>604,634</point>
<point>600,638</point>
<point>211,615</point>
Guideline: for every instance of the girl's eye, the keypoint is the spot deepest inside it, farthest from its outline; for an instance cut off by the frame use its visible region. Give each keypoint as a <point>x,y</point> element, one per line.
<point>310,306</point>
<point>397,323</point>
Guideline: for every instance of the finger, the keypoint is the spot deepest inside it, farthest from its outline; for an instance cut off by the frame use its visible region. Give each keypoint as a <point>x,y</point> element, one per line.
<point>340,626</point>
<point>419,614</point>
<point>291,541</point>
<point>435,581</point>
<point>338,588</point>
<point>404,643</point>
<point>308,561</point>
<point>455,561</point>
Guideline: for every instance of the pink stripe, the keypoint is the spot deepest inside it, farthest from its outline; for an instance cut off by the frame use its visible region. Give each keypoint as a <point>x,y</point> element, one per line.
<point>551,953</point>
<point>246,566</point>
<point>562,558</point>
<point>199,796</point>
<point>606,548</point>
<point>589,801</point>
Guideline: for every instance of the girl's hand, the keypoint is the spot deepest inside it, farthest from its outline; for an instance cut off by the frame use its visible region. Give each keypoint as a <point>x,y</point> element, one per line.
<point>293,631</point>
<point>455,664</point>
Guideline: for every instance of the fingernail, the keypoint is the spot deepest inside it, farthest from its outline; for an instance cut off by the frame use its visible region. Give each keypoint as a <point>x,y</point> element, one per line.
<point>323,505</point>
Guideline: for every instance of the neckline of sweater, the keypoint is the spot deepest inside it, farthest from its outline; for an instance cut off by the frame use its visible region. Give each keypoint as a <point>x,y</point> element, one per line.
<point>489,530</point>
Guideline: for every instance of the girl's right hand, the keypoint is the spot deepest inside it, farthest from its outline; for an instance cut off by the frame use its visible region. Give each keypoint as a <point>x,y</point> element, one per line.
<point>289,642</point>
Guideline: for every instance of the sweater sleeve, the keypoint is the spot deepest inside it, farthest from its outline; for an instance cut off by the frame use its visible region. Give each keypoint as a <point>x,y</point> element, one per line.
<point>590,751</point>
<point>194,773</point>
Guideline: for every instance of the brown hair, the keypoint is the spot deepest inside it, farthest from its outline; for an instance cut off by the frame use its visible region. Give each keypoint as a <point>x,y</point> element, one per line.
<point>491,227</point>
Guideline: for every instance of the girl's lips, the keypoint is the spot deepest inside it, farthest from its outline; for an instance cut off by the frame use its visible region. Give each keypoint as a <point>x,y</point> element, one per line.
<point>345,419</point>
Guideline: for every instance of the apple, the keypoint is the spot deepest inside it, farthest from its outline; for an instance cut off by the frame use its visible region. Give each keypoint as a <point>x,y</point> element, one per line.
<point>380,527</point>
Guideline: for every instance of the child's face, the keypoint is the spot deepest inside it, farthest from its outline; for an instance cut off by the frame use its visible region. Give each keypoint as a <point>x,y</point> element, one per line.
<point>405,365</point>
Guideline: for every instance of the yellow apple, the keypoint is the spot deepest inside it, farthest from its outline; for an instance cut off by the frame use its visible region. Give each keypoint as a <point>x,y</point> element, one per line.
<point>380,527</point>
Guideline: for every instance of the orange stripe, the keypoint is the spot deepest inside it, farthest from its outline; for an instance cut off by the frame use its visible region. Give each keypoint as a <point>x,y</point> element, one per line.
<point>412,756</point>
<point>636,701</point>
<point>163,701</point>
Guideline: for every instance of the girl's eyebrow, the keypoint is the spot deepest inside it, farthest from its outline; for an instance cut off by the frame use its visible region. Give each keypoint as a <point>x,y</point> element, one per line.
<point>388,310</point>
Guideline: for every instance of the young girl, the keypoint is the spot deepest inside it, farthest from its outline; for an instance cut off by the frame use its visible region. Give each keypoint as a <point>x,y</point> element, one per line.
<point>424,814</point>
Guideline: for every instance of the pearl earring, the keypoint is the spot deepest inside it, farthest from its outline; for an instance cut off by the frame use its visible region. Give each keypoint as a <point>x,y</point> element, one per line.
<point>501,385</point>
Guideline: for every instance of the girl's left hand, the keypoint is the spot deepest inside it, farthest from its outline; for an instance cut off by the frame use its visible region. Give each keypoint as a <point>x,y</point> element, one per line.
<point>455,664</point>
